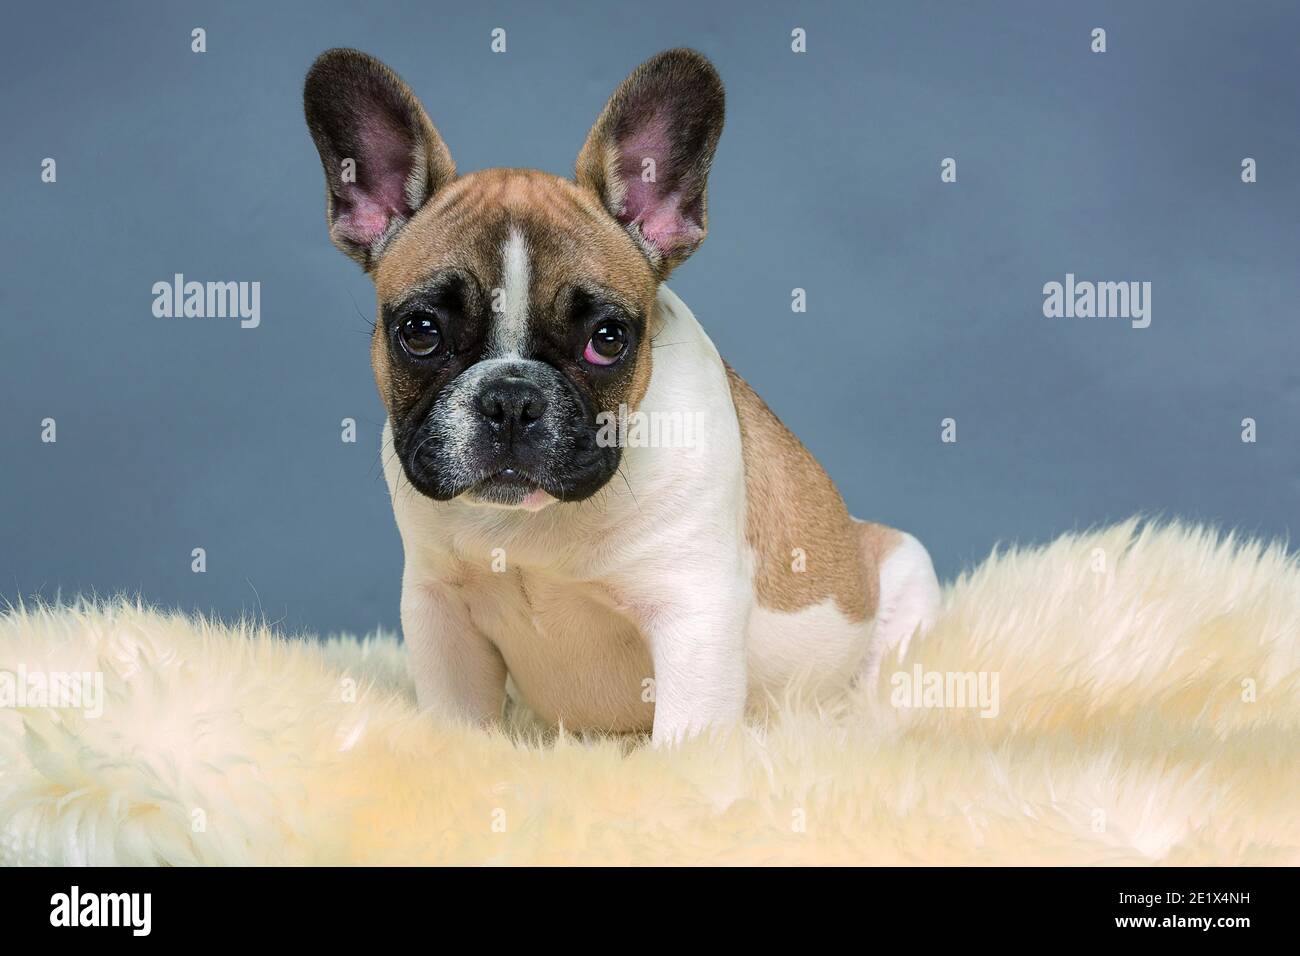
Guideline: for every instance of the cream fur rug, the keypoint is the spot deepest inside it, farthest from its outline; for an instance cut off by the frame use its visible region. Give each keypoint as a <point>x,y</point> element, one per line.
<point>1147,712</point>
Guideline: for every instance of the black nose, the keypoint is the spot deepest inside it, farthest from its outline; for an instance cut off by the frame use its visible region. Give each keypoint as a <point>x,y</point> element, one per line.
<point>512,403</point>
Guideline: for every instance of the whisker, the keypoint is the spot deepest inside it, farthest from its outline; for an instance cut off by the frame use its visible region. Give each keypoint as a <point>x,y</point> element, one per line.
<point>622,475</point>
<point>364,318</point>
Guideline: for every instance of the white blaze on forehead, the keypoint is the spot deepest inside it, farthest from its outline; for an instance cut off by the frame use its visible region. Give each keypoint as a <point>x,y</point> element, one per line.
<point>510,323</point>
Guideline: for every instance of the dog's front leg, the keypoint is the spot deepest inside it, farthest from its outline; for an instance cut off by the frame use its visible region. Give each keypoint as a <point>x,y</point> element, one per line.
<point>457,671</point>
<point>698,650</point>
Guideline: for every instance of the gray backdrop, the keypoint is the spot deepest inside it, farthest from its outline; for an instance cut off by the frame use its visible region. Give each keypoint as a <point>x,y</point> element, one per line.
<point>925,299</point>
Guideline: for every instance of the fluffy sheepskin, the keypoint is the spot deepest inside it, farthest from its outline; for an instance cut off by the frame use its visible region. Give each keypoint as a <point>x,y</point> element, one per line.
<point>1147,713</point>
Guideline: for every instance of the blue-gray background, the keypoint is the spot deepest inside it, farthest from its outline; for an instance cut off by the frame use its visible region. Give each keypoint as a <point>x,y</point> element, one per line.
<point>924,299</point>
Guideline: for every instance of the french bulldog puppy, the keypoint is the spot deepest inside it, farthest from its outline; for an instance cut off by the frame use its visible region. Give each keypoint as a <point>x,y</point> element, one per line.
<point>620,584</point>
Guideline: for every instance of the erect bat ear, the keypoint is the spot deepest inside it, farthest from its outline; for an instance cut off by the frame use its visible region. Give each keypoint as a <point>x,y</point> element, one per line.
<point>648,156</point>
<point>382,156</point>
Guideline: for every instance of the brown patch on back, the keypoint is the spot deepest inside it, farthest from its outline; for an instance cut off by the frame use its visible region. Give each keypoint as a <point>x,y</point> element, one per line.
<point>878,542</point>
<point>792,503</point>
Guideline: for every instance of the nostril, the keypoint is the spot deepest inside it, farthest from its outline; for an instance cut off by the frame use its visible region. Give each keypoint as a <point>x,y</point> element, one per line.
<point>492,408</point>
<point>532,410</point>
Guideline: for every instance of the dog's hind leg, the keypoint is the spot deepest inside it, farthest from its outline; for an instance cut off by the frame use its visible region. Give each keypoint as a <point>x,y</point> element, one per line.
<point>908,588</point>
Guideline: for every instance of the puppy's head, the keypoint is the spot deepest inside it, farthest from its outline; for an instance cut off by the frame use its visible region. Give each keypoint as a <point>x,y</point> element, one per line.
<point>514,306</point>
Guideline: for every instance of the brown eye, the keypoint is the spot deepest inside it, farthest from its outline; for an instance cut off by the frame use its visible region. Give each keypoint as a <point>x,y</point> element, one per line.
<point>607,344</point>
<point>420,335</point>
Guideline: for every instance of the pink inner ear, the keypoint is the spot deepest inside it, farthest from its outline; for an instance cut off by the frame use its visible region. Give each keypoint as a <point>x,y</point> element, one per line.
<point>367,206</point>
<point>659,215</point>
<point>362,220</point>
<point>666,228</point>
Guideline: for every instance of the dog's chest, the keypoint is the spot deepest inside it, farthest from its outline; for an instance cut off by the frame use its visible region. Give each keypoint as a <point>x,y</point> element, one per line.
<point>573,658</point>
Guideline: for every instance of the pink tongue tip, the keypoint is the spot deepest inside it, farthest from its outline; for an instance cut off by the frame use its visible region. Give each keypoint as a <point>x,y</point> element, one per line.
<point>535,500</point>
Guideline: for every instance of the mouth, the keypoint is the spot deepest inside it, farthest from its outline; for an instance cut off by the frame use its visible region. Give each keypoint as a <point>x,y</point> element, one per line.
<point>510,488</point>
